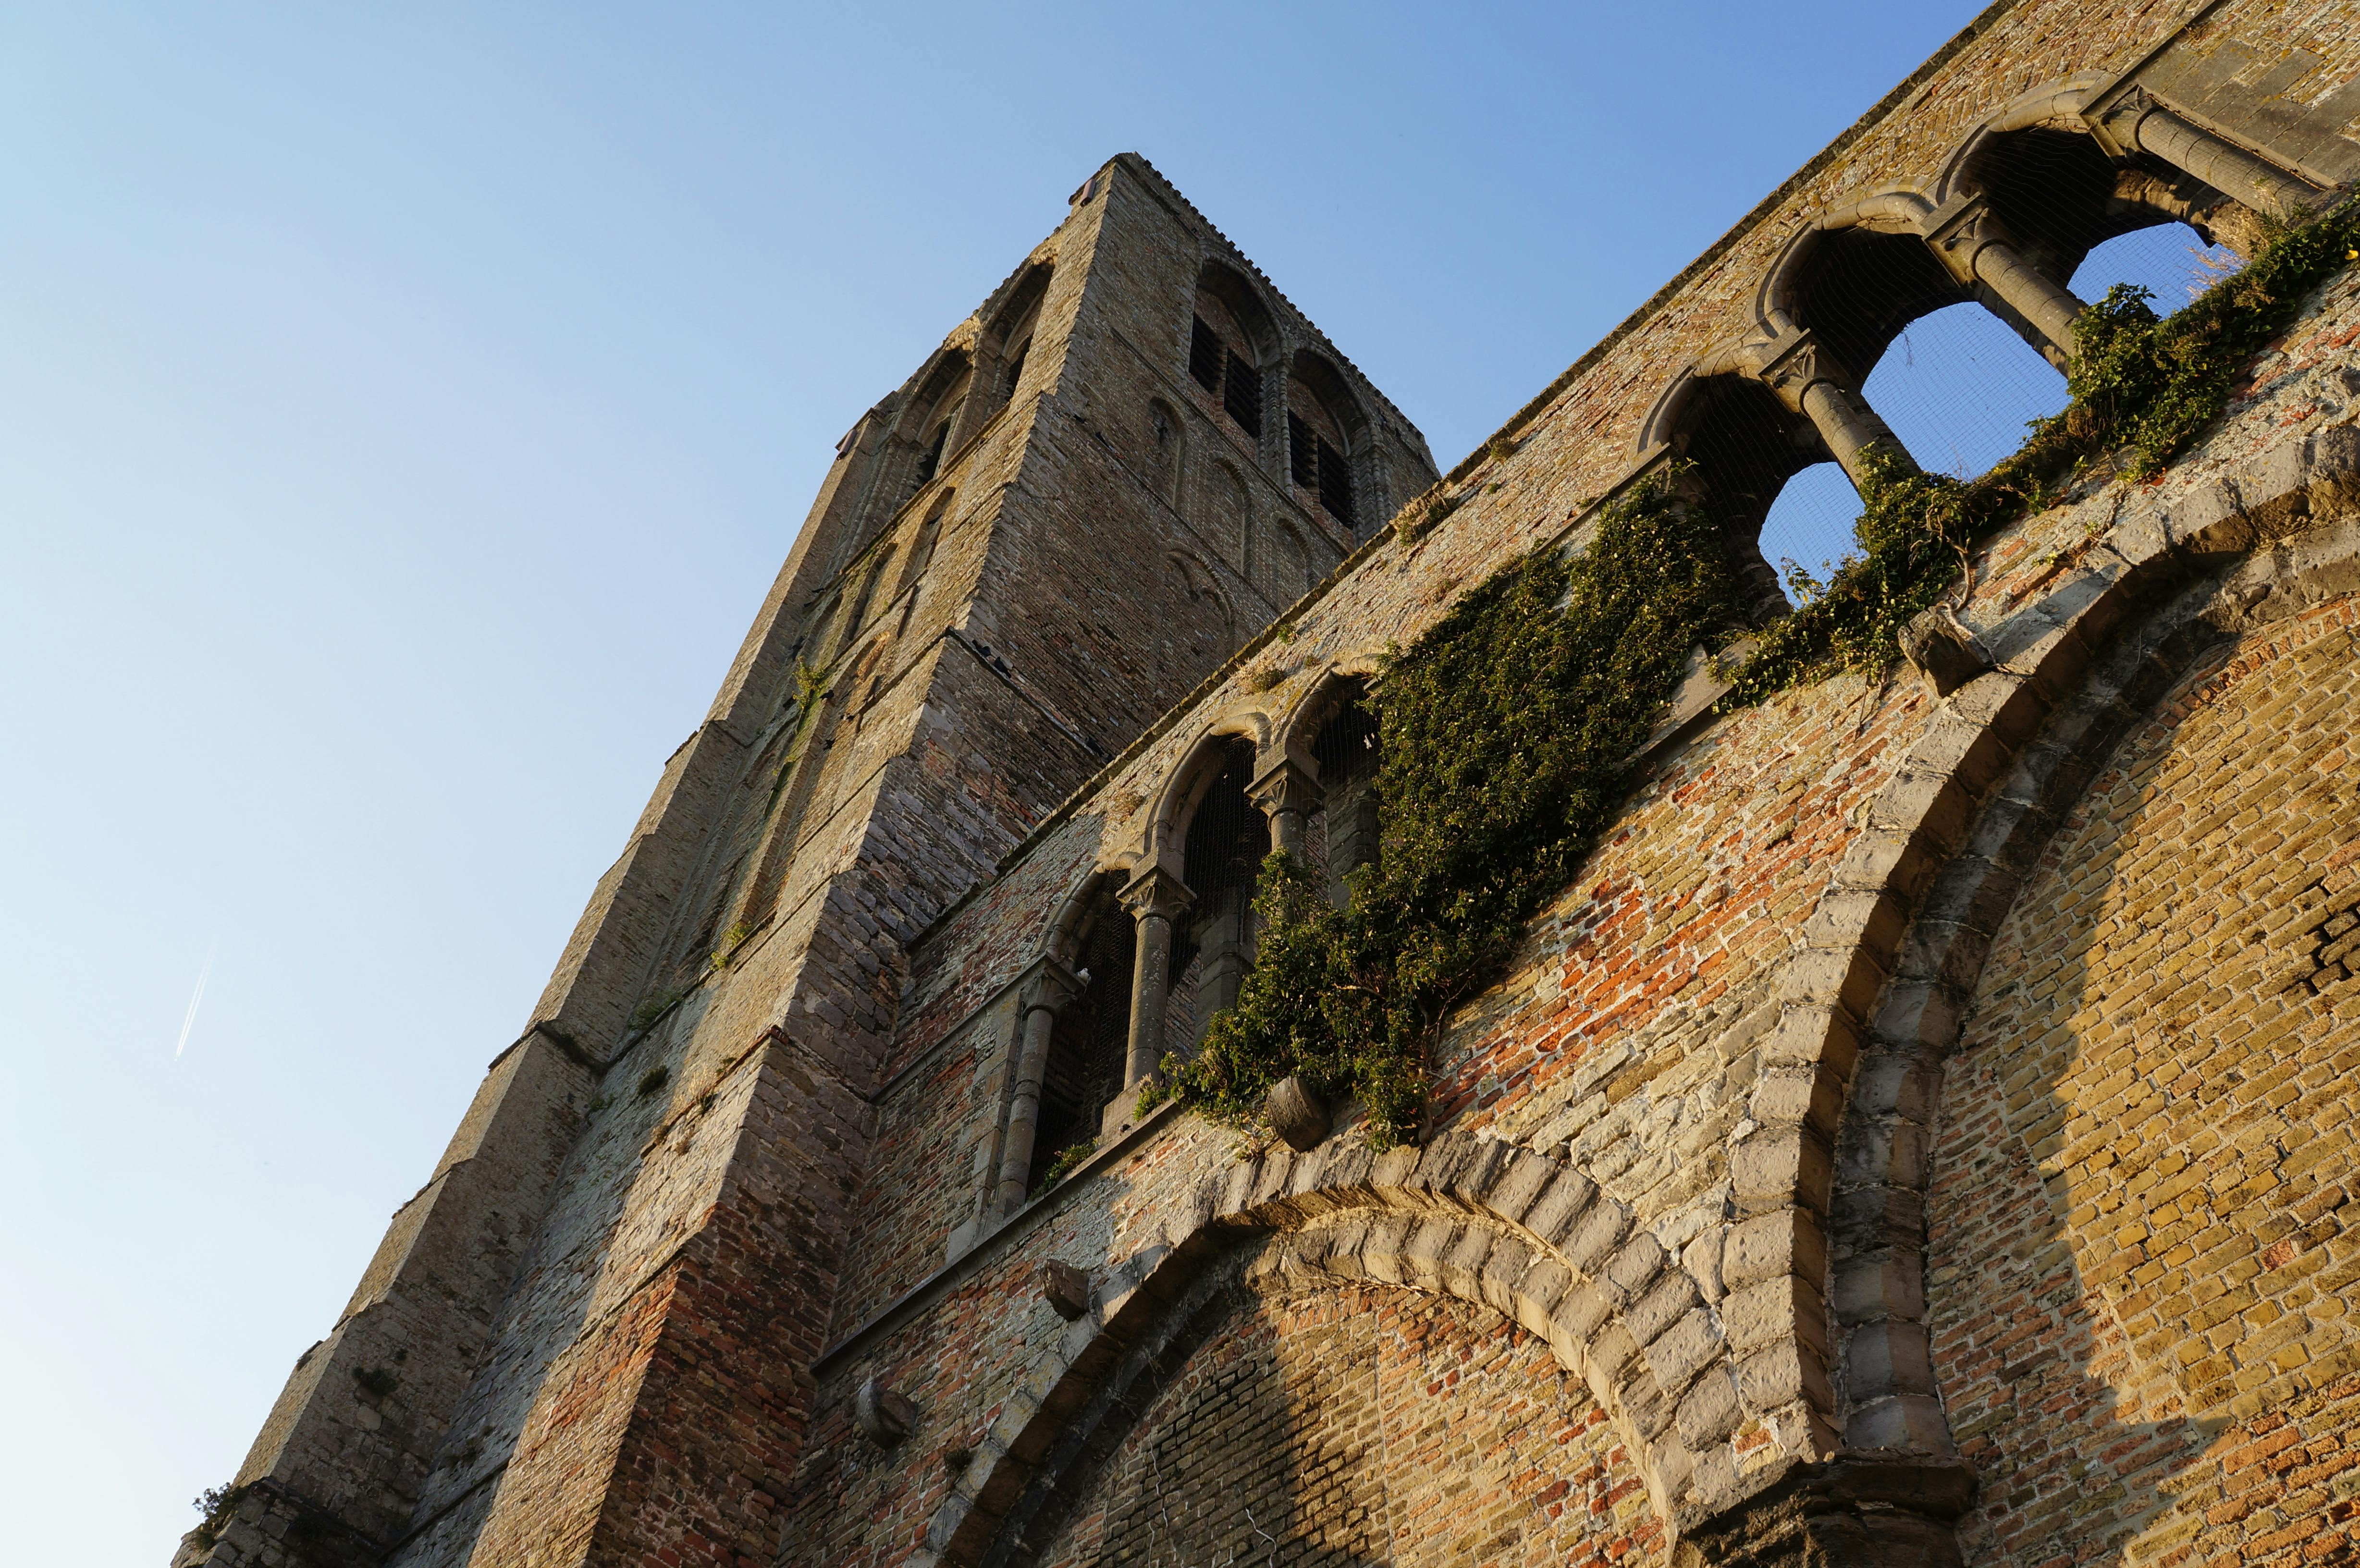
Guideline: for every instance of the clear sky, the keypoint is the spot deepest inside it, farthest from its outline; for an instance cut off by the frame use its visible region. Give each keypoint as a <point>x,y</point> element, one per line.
<point>402,411</point>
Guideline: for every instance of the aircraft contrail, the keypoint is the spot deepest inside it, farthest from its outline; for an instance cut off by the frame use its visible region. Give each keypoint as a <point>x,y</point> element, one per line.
<point>191,1021</point>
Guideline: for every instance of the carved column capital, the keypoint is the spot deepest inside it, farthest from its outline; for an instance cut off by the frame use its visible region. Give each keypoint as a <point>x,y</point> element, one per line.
<point>1049,988</point>
<point>1286,785</point>
<point>1156,892</point>
<point>1797,362</point>
<point>1957,231</point>
<point>2113,120</point>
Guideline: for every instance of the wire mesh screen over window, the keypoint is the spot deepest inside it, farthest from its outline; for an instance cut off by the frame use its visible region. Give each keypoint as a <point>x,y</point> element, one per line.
<point>1226,373</point>
<point>1958,385</point>
<point>1227,839</point>
<point>1346,751</point>
<point>1084,1073</point>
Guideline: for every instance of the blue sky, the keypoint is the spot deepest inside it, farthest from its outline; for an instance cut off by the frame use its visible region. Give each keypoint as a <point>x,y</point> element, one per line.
<point>402,411</point>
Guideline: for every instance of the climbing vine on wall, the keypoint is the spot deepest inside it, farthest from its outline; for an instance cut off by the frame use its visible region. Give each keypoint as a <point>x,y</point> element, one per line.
<point>1509,728</point>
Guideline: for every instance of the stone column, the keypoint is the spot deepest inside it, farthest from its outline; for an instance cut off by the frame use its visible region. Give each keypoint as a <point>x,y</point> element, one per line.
<point>1154,898</point>
<point>1284,794</point>
<point>1043,998</point>
<point>1972,245</point>
<point>1806,379</point>
<point>2133,121</point>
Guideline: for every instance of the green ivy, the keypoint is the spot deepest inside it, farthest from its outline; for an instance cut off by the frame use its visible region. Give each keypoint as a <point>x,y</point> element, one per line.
<point>2142,388</point>
<point>1509,728</point>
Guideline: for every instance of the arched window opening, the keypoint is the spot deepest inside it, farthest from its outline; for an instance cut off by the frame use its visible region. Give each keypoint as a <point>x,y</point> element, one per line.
<point>869,582</point>
<point>1957,388</point>
<point>1810,527</point>
<point>1230,339</point>
<point>1226,841</point>
<point>1325,429</point>
<point>1010,338</point>
<point>2054,192</point>
<point>1283,571</point>
<point>1344,831</point>
<point>1082,1074</point>
<point>1221,361</point>
<point>930,461</point>
<point>1746,447</point>
<point>1859,289</point>
<point>928,421</point>
<point>2171,261</point>
<point>2061,198</point>
<point>922,549</point>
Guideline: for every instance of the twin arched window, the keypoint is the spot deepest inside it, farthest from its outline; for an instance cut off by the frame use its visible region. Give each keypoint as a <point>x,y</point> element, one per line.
<point>1959,307</point>
<point>1145,956</point>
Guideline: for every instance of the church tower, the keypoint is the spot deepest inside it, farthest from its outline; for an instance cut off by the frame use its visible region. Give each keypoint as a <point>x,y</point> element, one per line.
<point>588,1337</point>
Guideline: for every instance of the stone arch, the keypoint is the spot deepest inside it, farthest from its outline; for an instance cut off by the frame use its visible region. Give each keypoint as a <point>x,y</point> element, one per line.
<point>1293,731</point>
<point>1176,798</point>
<point>1487,1222</point>
<point>1339,786</point>
<point>1232,358</point>
<point>1007,342</point>
<point>923,542</point>
<point>1067,927</point>
<point>1284,572</point>
<point>2056,187</point>
<point>1745,444</point>
<point>1241,299</point>
<point>1231,519</point>
<point>1828,1181</point>
<point>1330,452</point>
<point>2015,205</point>
<point>1202,585</point>
<point>927,430</point>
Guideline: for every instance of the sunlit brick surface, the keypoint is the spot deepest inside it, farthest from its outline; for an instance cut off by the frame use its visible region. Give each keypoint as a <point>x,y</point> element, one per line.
<point>2144,1273</point>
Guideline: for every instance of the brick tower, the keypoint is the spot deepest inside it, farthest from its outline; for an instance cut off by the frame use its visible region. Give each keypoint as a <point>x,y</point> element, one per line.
<point>588,1337</point>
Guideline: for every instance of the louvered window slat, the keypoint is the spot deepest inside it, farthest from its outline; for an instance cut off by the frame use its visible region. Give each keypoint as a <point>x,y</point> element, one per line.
<point>1335,484</point>
<point>1204,354</point>
<point>1241,393</point>
<point>1302,453</point>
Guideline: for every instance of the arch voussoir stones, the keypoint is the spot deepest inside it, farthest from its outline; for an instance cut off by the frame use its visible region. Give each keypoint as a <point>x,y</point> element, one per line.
<point>1488,1222</point>
<point>1826,1271</point>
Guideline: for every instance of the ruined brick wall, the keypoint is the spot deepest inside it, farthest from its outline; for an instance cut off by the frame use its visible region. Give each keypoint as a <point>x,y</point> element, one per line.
<point>1779,1217</point>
